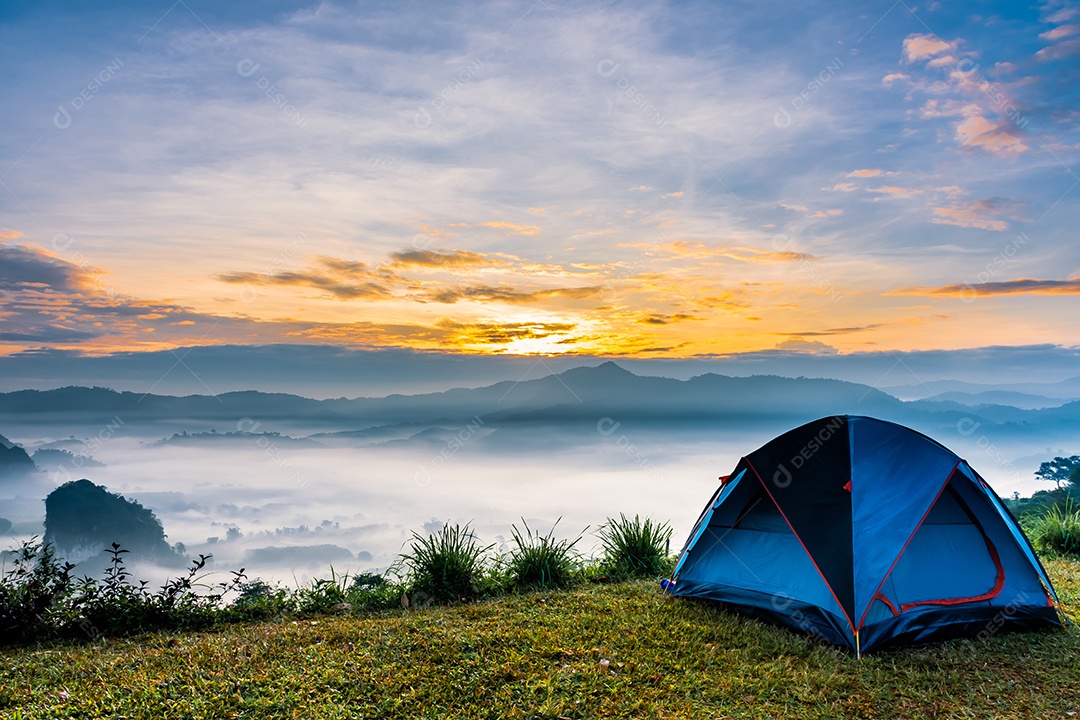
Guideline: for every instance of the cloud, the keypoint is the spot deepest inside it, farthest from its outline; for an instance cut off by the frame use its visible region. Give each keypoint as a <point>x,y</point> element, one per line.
<point>842,187</point>
<point>1064,49</point>
<point>510,227</point>
<point>340,279</point>
<point>806,347</point>
<point>25,266</point>
<point>441,259</point>
<point>1063,15</point>
<point>45,299</point>
<point>870,172</point>
<point>488,293</point>
<point>895,191</point>
<point>891,78</point>
<point>659,319</point>
<point>6,234</point>
<point>501,333</point>
<point>1061,31</point>
<point>1020,286</point>
<point>997,137</point>
<point>700,250</point>
<point>837,331</point>
<point>921,47</point>
<point>985,214</point>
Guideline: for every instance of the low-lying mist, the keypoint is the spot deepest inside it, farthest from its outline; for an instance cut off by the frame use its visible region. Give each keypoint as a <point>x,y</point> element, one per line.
<point>292,512</point>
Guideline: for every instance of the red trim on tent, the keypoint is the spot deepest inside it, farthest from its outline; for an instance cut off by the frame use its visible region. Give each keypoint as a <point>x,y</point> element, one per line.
<point>888,603</point>
<point>999,584</point>
<point>848,486</point>
<point>930,507</point>
<point>724,479</point>
<point>812,561</point>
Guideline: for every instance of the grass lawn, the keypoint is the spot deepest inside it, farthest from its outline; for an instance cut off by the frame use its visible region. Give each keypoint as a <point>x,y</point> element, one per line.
<point>598,651</point>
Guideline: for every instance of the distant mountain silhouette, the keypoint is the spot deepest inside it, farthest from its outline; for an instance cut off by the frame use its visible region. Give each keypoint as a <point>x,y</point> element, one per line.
<point>19,475</point>
<point>13,459</point>
<point>82,519</point>
<point>1024,401</point>
<point>570,400</point>
<point>314,556</point>
<point>1062,390</point>
<point>51,458</point>
<point>237,439</point>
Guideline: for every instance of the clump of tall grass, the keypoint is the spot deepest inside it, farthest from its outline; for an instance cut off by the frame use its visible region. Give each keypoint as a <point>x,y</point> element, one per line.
<point>541,561</point>
<point>1058,531</point>
<point>634,548</point>
<point>446,566</point>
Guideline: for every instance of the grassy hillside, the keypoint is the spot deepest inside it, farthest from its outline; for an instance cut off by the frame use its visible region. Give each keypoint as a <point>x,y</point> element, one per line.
<point>599,651</point>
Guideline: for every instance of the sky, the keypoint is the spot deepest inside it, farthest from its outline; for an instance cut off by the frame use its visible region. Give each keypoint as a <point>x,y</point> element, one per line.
<point>646,180</point>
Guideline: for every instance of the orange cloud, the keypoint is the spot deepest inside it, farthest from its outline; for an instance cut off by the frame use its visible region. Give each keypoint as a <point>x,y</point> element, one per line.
<point>660,319</point>
<point>686,249</point>
<point>442,259</point>
<point>340,279</point>
<point>995,137</point>
<point>894,191</point>
<point>494,333</point>
<point>487,293</point>
<point>6,234</point>
<point>920,47</point>
<point>889,79</point>
<point>978,214</point>
<point>513,228</point>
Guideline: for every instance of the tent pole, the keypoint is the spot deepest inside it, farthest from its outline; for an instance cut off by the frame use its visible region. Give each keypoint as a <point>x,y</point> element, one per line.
<point>858,648</point>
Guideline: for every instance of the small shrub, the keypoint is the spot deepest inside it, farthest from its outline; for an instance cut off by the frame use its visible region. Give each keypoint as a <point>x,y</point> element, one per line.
<point>446,566</point>
<point>634,548</point>
<point>40,600</point>
<point>1058,531</point>
<point>541,561</point>
<point>34,591</point>
<point>322,595</point>
<point>259,600</point>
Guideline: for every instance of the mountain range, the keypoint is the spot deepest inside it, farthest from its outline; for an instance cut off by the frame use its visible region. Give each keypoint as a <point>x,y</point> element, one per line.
<point>571,400</point>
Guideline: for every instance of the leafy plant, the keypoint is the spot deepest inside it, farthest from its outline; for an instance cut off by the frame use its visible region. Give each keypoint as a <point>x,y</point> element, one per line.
<point>33,592</point>
<point>446,566</point>
<point>541,561</point>
<point>323,595</point>
<point>634,548</point>
<point>1058,531</point>
<point>40,599</point>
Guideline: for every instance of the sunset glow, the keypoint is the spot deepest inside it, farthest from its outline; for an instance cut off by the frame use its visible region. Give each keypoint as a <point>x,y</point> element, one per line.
<point>871,186</point>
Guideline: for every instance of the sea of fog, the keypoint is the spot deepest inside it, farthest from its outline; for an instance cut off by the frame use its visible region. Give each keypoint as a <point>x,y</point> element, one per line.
<point>288,514</point>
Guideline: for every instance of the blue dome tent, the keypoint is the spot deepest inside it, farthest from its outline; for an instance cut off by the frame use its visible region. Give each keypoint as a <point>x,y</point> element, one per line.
<point>866,534</point>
